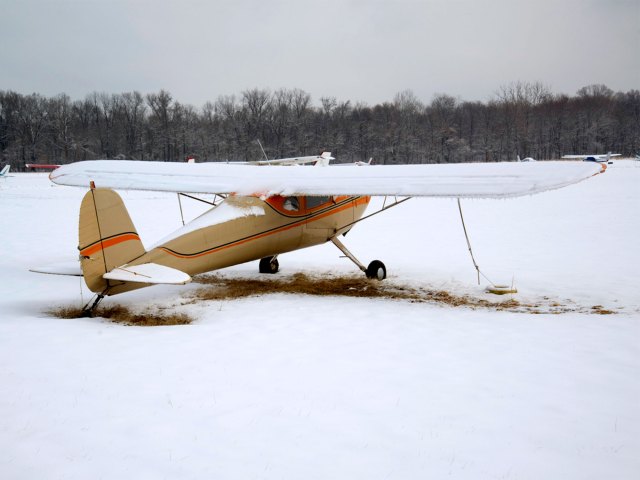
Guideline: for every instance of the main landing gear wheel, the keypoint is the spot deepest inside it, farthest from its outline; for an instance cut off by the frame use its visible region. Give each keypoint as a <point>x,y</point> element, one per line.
<point>376,270</point>
<point>269,265</point>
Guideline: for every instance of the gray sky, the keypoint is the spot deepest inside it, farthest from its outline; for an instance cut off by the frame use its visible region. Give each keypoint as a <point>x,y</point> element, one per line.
<point>352,49</point>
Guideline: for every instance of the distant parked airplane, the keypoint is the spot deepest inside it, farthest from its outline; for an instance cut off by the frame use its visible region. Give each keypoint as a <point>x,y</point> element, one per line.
<point>526,159</point>
<point>5,171</point>
<point>593,158</point>
<point>44,166</point>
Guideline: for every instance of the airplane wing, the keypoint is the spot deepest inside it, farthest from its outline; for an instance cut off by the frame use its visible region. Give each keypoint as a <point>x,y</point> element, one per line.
<point>464,180</point>
<point>43,166</point>
<point>600,156</point>
<point>323,158</point>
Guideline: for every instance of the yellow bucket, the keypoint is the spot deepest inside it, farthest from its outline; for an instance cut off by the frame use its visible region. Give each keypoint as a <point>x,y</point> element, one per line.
<point>501,289</point>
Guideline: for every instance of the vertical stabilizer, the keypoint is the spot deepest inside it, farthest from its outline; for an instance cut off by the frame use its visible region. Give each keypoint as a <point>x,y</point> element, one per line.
<point>107,238</point>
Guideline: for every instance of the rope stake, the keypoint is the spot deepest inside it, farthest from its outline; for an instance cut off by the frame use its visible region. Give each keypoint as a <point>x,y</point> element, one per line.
<point>466,236</point>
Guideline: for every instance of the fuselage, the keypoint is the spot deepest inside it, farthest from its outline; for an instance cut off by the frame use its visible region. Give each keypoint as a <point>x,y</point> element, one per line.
<point>242,229</point>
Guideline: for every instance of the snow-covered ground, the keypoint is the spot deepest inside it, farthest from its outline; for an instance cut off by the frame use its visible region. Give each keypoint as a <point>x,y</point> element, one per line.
<point>292,386</point>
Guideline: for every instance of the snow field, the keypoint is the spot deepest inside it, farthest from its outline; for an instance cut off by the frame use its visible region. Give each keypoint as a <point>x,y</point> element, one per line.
<point>291,386</point>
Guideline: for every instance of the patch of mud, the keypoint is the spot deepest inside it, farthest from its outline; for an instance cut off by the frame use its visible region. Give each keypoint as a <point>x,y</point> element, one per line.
<point>220,287</point>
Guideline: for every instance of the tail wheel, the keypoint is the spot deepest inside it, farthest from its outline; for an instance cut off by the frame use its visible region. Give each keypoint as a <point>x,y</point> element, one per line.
<point>376,270</point>
<point>269,265</point>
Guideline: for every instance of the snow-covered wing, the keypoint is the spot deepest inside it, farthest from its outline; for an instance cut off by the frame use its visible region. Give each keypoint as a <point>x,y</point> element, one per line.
<point>324,157</point>
<point>599,156</point>
<point>468,180</point>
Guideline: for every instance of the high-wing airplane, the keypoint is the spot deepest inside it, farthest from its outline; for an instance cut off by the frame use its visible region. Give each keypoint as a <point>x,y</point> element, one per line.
<point>266,210</point>
<point>41,166</point>
<point>601,158</point>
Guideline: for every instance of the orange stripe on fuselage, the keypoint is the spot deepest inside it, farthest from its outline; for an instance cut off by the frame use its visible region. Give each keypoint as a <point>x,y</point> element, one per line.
<point>355,203</point>
<point>109,242</point>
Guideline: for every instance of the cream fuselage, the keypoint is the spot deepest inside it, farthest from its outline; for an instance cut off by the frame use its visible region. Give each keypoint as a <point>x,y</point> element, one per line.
<point>242,229</point>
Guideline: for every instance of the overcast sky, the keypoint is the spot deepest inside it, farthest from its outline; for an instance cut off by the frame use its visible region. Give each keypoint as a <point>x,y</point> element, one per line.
<point>352,49</point>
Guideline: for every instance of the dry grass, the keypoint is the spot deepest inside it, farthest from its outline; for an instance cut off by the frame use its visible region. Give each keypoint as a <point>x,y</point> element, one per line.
<point>222,288</point>
<point>600,310</point>
<point>65,312</point>
<point>219,287</point>
<point>126,316</point>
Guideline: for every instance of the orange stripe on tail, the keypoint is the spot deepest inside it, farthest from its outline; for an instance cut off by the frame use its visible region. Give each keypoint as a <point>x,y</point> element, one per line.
<point>110,242</point>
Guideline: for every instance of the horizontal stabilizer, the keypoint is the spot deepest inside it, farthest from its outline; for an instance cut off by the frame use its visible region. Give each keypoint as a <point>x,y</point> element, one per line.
<point>148,273</point>
<point>71,268</point>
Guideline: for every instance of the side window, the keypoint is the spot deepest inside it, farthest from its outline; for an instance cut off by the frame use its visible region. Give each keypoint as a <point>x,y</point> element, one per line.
<point>313,202</point>
<point>291,204</point>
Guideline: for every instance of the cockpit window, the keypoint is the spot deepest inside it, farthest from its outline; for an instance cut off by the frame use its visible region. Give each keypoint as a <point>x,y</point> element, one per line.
<point>313,202</point>
<point>291,204</point>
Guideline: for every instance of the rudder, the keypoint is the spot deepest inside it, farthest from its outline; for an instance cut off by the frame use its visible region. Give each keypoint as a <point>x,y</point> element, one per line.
<point>107,238</point>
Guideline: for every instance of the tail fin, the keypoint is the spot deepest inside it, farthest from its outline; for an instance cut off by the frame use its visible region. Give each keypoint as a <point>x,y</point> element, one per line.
<point>5,170</point>
<point>324,159</point>
<point>107,238</point>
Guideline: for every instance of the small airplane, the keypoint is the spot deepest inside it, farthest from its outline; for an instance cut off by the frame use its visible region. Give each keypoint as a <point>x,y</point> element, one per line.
<point>526,159</point>
<point>600,158</point>
<point>266,209</point>
<point>42,166</point>
<point>5,171</point>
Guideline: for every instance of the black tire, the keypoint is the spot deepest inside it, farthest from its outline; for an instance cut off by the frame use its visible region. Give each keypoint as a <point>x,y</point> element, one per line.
<point>269,265</point>
<point>376,270</point>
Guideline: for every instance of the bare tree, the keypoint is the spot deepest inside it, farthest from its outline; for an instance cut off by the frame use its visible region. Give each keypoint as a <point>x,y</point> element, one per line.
<point>521,119</point>
<point>158,130</point>
<point>134,111</point>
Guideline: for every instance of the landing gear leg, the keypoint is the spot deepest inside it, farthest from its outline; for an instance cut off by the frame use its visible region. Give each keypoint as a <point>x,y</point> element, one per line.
<point>269,265</point>
<point>88,311</point>
<point>376,269</point>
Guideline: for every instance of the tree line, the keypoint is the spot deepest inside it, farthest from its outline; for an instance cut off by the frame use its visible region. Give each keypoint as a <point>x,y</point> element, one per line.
<point>522,118</point>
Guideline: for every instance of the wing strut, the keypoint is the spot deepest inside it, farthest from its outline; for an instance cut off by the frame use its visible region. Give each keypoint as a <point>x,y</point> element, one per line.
<point>213,203</point>
<point>384,207</point>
